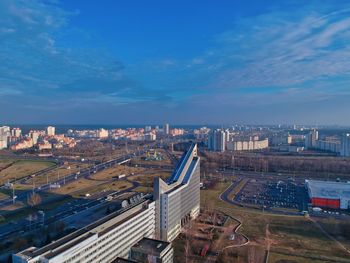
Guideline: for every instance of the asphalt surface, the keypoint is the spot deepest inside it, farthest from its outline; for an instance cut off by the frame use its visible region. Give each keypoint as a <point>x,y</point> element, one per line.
<point>70,208</point>
<point>23,194</point>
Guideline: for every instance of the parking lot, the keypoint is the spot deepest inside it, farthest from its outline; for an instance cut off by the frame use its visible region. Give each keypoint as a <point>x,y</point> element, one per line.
<point>274,194</point>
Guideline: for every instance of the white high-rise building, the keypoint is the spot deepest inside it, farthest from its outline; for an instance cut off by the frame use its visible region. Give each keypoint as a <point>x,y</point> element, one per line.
<point>102,133</point>
<point>16,132</point>
<point>166,128</point>
<point>217,140</point>
<point>310,139</point>
<point>345,145</point>
<point>34,135</point>
<point>178,198</point>
<point>5,131</point>
<point>4,134</point>
<point>50,131</point>
<point>3,142</point>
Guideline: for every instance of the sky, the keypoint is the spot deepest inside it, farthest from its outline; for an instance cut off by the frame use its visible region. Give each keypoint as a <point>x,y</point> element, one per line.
<point>182,62</point>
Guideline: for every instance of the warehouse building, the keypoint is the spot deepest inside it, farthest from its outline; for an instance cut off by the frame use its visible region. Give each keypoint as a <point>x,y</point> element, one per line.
<point>325,194</point>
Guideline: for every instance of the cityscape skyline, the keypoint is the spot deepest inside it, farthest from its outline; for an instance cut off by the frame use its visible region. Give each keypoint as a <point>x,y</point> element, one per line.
<point>77,62</point>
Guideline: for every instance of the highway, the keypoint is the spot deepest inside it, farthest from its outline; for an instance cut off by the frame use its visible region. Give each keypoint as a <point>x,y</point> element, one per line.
<point>23,194</point>
<point>75,207</point>
<point>69,209</point>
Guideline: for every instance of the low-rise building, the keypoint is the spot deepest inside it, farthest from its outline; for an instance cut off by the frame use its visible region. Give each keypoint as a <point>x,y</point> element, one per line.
<point>23,144</point>
<point>327,194</point>
<point>152,250</point>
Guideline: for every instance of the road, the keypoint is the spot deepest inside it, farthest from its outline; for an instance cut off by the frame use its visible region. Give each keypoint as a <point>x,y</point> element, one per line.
<point>224,196</point>
<point>75,207</point>
<point>23,194</point>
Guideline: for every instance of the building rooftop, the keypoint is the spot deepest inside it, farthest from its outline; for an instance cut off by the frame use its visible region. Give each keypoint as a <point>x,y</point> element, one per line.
<point>123,260</point>
<point>99,227</point>
<point>151,246</point>
<point>328,189</point>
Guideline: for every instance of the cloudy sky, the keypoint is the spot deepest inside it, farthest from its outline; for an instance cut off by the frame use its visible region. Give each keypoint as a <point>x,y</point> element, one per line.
<point>184,62</point>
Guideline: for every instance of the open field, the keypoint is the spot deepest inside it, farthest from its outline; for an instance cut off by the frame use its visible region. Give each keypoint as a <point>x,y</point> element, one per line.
<point>22,168</point>
<point>113,172</point>
<point>142,159</point>
<point>146,179</point>
<point>288,235</point>
<point>84,186</point>
<point>59,172</point>
<point>5,162</point>
<point>3,195</point>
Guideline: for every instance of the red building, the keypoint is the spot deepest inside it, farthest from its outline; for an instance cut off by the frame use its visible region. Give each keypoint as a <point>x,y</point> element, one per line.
<point>327,194</point>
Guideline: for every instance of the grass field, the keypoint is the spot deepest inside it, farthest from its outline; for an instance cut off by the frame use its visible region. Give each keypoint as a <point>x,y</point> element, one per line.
<point>289,235</point>
<point>22,168</point>
<point>83,186</point>
<point>113,172</point>
<point>146,179</point>
<point>56,173</point>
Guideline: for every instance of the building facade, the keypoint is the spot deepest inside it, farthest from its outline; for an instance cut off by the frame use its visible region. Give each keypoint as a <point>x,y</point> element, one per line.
<point>327,194</point>
<point>217,140</point>
<point>166,128</point>
<point>178,199</point>
<point>247,145</point>
<point>345,145</point>
<point>310,139</point>
<point>151,250</point>
<point>102,241</point>
<point>50,131</point>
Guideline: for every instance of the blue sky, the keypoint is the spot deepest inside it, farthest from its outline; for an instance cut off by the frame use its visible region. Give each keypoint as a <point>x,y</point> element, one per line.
<point>184,62</point>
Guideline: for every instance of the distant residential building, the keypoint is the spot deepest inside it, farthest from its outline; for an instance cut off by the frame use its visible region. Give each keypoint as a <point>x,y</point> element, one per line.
<point>4,135</point>
<point>16,132</point>
<point>310,139</point>
<point>217,140</point>
<point>150,137</point>
<point>177,132</point>
<point>290,148</point>
<point>281,139</point>
<point>166,128</point>
<point>148,128</point>
<point>298,138</point>
<point>345,145</point>
<point>5,131</point>
<point>23,144</point>
<point>3,142</point>
<point>45,145</point>
<point>329,146</point>
<point>247,145</point>
<point>50,131</point>
<point>34,135</point>
<point>201,133</point>
<point>102,133</point>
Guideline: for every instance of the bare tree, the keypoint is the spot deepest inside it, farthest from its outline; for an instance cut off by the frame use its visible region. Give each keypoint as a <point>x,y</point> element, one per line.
<point>34,199</point>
